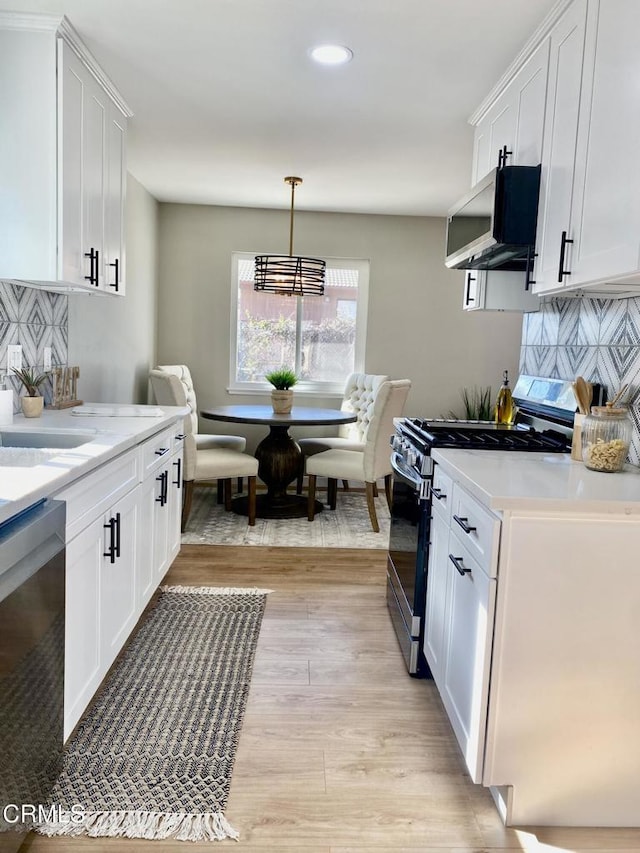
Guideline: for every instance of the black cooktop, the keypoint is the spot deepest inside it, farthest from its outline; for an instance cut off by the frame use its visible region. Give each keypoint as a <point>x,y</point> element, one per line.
<point>485,435</point>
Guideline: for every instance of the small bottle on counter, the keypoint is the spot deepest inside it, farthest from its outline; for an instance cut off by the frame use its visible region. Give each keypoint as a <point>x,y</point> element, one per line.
<point>606,436</point>
<point>504,410</point>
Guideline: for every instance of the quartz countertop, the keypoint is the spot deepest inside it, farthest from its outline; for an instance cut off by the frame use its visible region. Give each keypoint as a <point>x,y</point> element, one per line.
<point>552,482</point>
<point>29,474</point>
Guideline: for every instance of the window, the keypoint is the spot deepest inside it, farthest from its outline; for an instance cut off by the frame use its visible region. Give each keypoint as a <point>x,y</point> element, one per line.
<point>322,338</point>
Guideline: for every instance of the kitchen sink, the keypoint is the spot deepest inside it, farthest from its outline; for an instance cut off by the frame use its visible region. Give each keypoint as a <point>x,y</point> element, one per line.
<point>54,439</point>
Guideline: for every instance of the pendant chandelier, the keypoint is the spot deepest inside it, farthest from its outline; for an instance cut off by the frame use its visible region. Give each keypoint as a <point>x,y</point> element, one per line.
<point>290,275</point>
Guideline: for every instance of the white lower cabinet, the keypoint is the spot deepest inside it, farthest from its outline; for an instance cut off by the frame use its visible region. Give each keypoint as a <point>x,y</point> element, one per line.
<point>459,629</point>
<point>469,610</point>
<point>100,601</point>
<point>529,633</point>
<point>117,554</point>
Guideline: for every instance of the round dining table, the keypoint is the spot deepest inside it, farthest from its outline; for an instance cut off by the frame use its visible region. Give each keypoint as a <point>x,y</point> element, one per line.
<point>278,454</point>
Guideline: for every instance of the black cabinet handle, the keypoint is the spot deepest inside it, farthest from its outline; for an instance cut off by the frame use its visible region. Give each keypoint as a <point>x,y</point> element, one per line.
<point>461,568</point>
<point>502,156</point>
<point>116,283</point>
<point>468,299</point>
<point>162,451</point>
<point>463,522</point>
<point>438,494</point>
<point>111,551</point>
<point>162,497</point>
<point>563,246</point>
<point>178,480</point>
<point>117,526</point>
<point>528,281</point>
<point>93,255</point>
<point>180,436</point>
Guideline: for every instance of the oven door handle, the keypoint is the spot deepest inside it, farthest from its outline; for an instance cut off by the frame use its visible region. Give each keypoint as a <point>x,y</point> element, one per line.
<point>420,486</point>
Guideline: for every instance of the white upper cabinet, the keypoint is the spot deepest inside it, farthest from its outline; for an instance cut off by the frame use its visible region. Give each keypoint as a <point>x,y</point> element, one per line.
<point>509,131</point>
<point>589,221</point>
<point>498,290</point>
<point>561,131</point>
<point>605,224</point>
<point>63,168</point>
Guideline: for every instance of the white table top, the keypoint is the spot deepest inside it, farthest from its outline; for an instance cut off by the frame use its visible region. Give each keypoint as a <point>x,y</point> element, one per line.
<point>553,482</point>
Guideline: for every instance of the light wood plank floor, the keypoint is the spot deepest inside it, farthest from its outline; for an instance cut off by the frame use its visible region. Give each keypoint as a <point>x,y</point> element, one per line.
<point>342,752</point>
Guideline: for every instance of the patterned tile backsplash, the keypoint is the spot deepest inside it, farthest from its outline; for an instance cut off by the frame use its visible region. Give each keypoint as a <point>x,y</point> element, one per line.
<point>595,338</point>
<point>36,319</point>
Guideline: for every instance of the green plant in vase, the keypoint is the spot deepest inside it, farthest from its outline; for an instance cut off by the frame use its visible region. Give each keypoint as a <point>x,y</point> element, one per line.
<point>32,402</point>
<point>283,381</point>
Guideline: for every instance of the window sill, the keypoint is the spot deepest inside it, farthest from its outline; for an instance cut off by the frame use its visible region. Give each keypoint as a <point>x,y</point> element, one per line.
<point>298,392</point>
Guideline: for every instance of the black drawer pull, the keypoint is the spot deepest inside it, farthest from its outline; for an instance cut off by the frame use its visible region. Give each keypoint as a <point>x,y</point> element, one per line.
<point>180,436</point>
<point>163,478</point>
<point>111,551</point>
<point>460,567</point>
<point>438,494</point>
<point>162,451</point>
<point>463,522</point>
<point>178,480</point>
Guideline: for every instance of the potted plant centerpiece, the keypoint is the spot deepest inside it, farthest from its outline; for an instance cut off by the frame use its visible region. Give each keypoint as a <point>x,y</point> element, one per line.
<point>32,402</point>
<point>283,381</point>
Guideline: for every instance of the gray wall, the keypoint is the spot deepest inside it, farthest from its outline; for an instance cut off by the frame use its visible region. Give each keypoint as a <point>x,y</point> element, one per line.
<point>113,339</point>
<point>416,326</point>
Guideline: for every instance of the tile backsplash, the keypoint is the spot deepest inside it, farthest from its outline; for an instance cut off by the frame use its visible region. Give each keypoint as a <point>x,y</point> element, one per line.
<point>598,339</point>
<point>35,319</point>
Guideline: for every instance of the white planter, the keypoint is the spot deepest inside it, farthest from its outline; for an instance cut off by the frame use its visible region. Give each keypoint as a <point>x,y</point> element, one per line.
<point>32,406</point>
<point>282,401</point>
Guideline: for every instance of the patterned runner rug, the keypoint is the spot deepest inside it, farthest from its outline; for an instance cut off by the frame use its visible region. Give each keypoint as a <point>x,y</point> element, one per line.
<point>153,758</point>
<point>347,526</point>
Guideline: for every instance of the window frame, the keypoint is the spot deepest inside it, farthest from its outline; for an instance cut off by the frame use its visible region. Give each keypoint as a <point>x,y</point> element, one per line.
<point>308,387</point>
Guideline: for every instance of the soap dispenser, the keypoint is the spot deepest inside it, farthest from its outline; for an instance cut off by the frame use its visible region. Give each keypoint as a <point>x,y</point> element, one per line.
<point>504,410</point>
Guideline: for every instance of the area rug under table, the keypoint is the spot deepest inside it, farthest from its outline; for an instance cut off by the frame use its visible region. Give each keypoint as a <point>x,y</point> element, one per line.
<point>153,757</point>
<point>347,526</point>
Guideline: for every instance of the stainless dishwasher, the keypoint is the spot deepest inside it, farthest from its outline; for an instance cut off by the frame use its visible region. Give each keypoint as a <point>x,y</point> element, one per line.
<point>32,596</point>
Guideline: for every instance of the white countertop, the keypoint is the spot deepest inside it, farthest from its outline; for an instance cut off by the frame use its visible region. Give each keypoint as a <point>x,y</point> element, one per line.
<point>23,485</point>
<point>505,480</point>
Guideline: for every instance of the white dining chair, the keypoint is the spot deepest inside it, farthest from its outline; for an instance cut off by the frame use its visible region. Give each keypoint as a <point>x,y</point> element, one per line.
<point>366,466</point>
<point>205,454</point>
<point>359,395</point>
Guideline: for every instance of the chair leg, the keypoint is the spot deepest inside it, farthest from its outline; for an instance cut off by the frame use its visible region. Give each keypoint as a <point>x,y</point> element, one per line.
<point>372,508</point>
<point>252,500</point>
<point>227,495</point>
<point>387,489</point>
<point>220,491</point>
<point>311,499</point>
<point>187,497</point>
<point>345,485</point>
<point>240,484</point>
<point>332,492</point>
<point>375,489</point>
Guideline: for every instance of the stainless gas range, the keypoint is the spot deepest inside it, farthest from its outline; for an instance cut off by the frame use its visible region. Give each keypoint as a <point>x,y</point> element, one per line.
<point>544,424</point>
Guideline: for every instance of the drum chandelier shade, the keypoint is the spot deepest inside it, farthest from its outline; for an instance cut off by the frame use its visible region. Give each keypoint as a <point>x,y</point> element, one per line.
<point>290,275</point>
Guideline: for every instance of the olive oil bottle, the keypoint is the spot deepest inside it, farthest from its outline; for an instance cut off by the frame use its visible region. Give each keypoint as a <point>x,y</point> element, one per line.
<point>505,409</point>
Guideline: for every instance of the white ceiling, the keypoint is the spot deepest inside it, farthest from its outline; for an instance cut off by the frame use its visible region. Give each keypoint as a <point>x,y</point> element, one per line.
<point>227,102</point>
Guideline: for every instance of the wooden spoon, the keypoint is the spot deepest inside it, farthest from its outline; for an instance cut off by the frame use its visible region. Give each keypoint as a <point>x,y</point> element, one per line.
<point>582,395</point>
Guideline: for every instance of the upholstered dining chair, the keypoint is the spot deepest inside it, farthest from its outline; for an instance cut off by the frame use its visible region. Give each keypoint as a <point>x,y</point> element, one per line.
<point>204,454</point>
<point>368,465</point>
<point>359,394</point>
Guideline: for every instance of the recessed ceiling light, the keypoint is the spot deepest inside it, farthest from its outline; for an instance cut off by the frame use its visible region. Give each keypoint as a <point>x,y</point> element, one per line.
<point>331,54</point>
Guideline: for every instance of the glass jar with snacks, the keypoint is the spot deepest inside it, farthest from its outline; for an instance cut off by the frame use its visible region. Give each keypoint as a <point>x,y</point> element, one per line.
<point>606,435</point>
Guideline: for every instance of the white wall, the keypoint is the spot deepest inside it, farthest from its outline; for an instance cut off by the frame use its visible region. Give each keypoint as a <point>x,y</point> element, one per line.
<point>113,339</point>
<point>416,327</point>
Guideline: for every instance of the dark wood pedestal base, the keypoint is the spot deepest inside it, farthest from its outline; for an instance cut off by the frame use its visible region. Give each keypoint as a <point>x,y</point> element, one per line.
<point>291,506</point>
